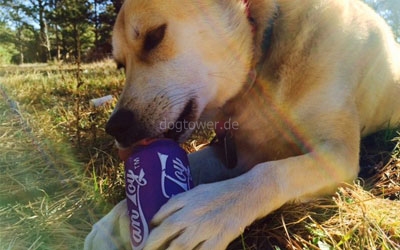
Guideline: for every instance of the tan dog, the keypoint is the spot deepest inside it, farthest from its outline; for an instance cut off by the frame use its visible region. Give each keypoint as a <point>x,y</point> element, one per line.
<point>328,72</point>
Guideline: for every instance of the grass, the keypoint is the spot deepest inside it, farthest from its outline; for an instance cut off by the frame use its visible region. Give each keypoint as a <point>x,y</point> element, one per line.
<point>52,187</point>
<point>60,172</point>
<point>39,195</point>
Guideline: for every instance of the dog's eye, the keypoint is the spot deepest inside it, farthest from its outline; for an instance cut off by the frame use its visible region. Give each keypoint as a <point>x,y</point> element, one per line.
<point>154,38</point>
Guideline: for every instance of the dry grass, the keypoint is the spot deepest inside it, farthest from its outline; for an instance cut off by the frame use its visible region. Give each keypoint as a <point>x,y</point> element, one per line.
<point>352,219</point>
<point>60,173</point>
<point>51,188</point>
<point>39,194</point>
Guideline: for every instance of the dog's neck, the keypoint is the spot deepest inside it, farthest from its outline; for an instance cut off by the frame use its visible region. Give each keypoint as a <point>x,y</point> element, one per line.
<point>263,32</point>
<point>225,138</point>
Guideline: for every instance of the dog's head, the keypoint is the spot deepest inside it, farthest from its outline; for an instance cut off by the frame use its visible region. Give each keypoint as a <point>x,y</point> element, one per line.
<point>180,58</point>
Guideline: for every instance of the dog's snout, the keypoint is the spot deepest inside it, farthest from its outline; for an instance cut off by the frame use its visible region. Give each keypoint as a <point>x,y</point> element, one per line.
<point>123,126</point>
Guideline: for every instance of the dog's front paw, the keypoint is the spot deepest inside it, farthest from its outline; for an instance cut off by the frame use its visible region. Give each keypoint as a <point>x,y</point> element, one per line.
<point>111,232</point>
<point>209,216</point>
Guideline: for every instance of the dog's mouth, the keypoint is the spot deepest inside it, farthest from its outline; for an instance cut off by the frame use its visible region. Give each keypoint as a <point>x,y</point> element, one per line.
<point>176,131</point>
<point>184,123</point>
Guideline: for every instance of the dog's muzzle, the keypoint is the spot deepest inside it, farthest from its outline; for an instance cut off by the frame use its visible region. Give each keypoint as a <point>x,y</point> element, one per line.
<point>127,128</point>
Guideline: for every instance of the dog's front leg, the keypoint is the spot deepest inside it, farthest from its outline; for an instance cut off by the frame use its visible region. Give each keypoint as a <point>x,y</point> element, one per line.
<point>210,216</point>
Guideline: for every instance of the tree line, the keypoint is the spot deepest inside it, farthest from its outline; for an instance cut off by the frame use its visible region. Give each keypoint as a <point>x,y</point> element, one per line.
<point>55,30</point>
<point>46,30</point>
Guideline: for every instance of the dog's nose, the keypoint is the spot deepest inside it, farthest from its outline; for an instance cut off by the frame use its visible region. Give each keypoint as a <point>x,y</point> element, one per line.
<point>123,125</point>
<point>120,122</point>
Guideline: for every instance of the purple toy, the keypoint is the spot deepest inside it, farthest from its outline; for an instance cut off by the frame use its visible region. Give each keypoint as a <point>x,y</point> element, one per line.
<point>153,174</point>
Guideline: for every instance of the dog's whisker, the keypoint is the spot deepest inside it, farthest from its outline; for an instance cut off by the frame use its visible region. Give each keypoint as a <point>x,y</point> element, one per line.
<point>176,103</point>
<point>220,75</point>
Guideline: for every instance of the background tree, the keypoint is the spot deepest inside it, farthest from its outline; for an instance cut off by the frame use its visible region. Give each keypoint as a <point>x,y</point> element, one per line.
<point>38,10</point>
<point>7,45</point>
<point>103,18</point>
<point>41,30</point>
<point>29,15</point>
<point>71,25</point>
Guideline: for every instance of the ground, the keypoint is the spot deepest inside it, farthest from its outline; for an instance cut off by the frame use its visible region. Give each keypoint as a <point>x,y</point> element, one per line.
<point>60,172</point>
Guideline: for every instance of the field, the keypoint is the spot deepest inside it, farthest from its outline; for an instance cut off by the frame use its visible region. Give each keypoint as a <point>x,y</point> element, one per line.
<point>60,173</point>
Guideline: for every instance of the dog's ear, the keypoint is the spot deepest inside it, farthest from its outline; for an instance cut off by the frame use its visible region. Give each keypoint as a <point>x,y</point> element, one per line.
<point>261,12</point>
